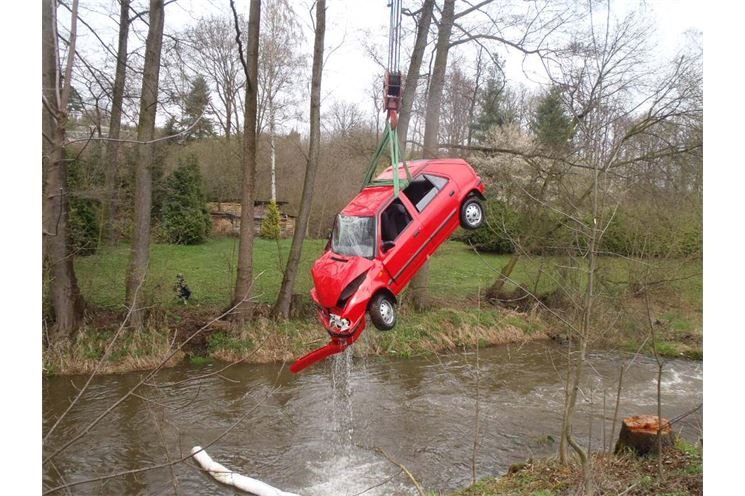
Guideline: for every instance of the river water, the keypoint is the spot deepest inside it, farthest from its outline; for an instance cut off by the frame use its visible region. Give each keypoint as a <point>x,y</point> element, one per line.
<point>336,428</point>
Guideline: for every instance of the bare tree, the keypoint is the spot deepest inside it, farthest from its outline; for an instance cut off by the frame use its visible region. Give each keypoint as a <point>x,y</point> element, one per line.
<point>344,119</point>
<point>140,251</point>
<point>459,97</point>
<point>278,70</point>
<point>614,103</point>
<point>244,278</point>
<point>210,43</point>
<point>115,122</point>
<point>66,299</point>
<point>284,298</point>
<point>415,66</point>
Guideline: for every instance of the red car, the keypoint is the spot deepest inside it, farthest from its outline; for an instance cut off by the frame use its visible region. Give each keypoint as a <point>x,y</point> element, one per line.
<point>380,242</point>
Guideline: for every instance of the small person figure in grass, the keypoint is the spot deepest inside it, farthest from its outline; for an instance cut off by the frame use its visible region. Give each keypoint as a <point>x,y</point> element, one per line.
<point>182,290</point>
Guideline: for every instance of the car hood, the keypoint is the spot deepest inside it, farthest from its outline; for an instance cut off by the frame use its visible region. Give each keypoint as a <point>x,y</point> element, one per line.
<point>332,273</point>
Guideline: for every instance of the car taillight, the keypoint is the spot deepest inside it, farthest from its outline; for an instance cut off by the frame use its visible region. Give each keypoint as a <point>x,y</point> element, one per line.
<point>350,289</point>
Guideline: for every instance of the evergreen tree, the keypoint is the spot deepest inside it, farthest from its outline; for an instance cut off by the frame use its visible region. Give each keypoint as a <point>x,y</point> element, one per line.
<point>493,108</point>
<point>550,123</point>
<point>270,226</point>
<point>195,106</point>
<point>184,217</point>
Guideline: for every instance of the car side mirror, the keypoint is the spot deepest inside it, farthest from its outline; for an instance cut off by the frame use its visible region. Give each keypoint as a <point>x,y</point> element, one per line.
<point>387,245</point>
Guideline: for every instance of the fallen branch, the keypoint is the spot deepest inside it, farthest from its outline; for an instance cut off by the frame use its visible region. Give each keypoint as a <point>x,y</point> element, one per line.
<point>418,486</point>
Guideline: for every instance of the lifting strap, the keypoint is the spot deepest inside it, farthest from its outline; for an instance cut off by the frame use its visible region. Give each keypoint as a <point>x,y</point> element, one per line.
<point>390,141</point>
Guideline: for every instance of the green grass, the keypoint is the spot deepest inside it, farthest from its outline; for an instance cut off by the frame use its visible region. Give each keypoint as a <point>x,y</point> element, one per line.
<point>456,319</point>
<point>209,270</point>
<point>457,274</point>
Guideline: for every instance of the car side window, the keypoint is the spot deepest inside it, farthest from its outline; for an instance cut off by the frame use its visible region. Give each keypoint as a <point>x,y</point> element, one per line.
<point>394,220</point>
<point>438,181</point>
<point>422,190</point>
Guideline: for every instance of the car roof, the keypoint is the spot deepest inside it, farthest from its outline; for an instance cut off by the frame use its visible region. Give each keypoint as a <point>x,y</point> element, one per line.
<point>370,199</point>
<point>448,166</point>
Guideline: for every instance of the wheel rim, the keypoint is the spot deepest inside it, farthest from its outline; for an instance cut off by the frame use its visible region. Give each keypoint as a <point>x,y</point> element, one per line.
<point>473,214</point>
<point>386,312</point>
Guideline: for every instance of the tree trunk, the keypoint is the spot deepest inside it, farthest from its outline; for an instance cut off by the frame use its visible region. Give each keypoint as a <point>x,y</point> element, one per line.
<point>282,306</point>
<point>412,76</point>
<point>112,153</point>
<point>244,279</point>
<point>437,81</point>
<point>274,151</point>
<point>66,299</point>
<point>228,108</point>
<point>419,287</point>
<point>567,438</point>
<point>495,289</point>
<point>140,251</point>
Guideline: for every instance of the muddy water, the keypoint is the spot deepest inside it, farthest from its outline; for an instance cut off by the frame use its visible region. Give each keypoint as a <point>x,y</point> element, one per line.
<point>321,432</point>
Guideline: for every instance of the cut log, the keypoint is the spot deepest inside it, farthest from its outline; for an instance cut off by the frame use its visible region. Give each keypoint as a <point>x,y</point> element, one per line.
<point>639,433</point>
<point>226,476</point>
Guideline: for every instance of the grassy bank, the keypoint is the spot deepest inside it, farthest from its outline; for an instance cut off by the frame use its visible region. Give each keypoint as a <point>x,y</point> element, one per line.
<point>460,317</point>
<point>612,475</point>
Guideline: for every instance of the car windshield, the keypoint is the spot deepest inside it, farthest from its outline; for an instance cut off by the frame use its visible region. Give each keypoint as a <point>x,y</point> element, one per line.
<point>353,236</point>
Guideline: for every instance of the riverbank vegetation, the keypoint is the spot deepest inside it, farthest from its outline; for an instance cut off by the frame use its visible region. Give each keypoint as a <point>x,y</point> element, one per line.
<point>625,474</point>
<point>462,316</point>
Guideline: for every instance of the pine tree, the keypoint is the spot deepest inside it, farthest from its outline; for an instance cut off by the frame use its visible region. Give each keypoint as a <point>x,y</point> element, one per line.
<point>270,226</point>
<point>195,106</point>
<point>184,218</point>
<point>493,108</point>
<point>550,123</point>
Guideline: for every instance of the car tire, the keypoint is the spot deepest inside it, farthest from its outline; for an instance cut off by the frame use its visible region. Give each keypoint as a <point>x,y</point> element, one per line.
<point>471,213</point>
<point>382,311</point>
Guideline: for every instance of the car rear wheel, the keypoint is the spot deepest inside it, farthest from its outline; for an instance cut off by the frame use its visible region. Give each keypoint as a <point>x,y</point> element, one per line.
<point>471,213</point>
<point>383,312</point>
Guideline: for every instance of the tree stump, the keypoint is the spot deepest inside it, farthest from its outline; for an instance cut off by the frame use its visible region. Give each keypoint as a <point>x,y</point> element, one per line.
<point>639,433</point>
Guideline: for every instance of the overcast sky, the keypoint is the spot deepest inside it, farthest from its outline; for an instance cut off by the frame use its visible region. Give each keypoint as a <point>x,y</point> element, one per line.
<point>352,25</point>
<point>355,26</point>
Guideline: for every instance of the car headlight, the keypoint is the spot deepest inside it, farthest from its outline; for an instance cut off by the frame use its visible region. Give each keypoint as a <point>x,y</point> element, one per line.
<point>350,290</point>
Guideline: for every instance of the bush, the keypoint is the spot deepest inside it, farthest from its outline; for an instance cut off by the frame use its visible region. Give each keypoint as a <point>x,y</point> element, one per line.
<point>496,235</point>
<point>184,216</point>
<point>645,234</point>
<point>83,228</point>
<point>270,226</point>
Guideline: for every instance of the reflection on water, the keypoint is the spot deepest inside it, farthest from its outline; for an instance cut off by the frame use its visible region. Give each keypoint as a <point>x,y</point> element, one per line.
<point>318,433</point>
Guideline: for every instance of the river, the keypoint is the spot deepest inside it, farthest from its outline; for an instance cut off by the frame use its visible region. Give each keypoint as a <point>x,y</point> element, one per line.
<point>334,429</point>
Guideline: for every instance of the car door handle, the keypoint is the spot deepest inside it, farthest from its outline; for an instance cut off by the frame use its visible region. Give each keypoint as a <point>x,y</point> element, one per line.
<point>417,233</point>
<point>452,193</point>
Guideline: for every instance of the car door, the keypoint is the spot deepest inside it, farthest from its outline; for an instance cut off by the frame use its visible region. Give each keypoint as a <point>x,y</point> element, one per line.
<point>399,240</point>
<point>431,195</point>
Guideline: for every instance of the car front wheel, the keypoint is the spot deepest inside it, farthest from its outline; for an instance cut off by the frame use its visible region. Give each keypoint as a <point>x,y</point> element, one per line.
<point>383,312</point>
<point>471,214</point>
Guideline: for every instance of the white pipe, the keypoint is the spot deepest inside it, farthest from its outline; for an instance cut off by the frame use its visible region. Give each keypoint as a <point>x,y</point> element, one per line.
<point>226,476</point>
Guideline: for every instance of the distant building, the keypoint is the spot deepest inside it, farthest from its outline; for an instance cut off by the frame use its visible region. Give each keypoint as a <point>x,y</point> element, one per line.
<point>226,217</point>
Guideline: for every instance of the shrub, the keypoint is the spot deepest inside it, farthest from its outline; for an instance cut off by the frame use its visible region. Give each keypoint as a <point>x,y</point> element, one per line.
<point>496,235</point>
<point>632,233</point>
<point>83,226</point>
<point>270,226</point>
<point>184,216</point>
